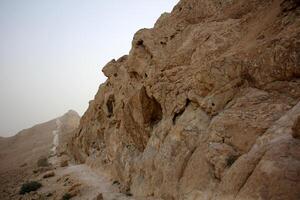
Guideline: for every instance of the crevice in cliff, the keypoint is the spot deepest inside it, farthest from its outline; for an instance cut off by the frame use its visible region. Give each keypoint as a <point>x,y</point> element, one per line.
<point>141,114</point>
<point>180,112</point>
<point>152,110</point>
<point>156,115</point>
<point>185,163</point>
<point>249,175</point>
<point>110,105</point>
<point>134,75</point>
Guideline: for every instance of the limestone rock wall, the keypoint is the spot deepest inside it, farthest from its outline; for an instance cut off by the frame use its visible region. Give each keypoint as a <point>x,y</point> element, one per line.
<point>204,106</point>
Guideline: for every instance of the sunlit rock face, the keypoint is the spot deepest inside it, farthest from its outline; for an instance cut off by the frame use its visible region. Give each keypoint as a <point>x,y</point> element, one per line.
<point>205,106</point>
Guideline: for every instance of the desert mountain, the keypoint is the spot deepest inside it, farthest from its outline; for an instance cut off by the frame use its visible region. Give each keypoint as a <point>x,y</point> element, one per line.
<point>20,154</point>
<point>203,106</point>
<point>206,106</point>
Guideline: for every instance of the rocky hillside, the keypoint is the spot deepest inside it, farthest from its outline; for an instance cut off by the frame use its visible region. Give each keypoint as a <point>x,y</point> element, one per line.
<point>21,153</point>
<point>205,106</point>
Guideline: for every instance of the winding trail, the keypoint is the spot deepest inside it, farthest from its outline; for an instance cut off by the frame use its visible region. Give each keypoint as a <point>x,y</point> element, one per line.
<point>92,183</point>
<point>56,137</point>
<point>53,151</point>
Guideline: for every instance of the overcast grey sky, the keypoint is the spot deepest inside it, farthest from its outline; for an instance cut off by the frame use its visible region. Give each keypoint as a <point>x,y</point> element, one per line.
<point>52,53</point>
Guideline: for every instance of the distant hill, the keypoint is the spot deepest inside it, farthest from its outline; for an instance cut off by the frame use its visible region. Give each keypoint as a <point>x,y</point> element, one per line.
<point>19,154</point>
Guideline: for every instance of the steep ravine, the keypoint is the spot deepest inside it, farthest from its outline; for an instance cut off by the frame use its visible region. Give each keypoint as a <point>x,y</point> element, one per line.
<point>203,106</point>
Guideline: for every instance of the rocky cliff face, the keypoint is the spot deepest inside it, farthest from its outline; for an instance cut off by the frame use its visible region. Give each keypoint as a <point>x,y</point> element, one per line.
<point>205,106</point>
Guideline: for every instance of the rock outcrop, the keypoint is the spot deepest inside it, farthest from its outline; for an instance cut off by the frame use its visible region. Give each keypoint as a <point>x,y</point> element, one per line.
<point>203,106</point>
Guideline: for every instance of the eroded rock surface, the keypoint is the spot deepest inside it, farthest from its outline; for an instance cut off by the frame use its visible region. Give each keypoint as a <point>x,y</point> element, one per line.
<point>203,106</point>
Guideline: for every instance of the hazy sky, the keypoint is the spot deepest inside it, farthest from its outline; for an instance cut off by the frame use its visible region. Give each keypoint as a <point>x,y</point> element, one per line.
<point>52,53</point>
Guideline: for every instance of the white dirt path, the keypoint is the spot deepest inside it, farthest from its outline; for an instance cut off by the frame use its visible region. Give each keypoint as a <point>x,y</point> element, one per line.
<point>91,183</point>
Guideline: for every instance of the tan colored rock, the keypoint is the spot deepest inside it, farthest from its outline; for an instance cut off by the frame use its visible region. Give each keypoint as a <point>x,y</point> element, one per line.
<point>203,106</point>
<point>73,191</point>
<point>64,161</point>
<point>99,197</point>
<point>74,187</point>
<point>49,174</point>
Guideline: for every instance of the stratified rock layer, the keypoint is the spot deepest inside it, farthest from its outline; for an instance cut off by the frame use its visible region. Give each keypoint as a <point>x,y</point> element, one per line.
<point>203,106</point>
